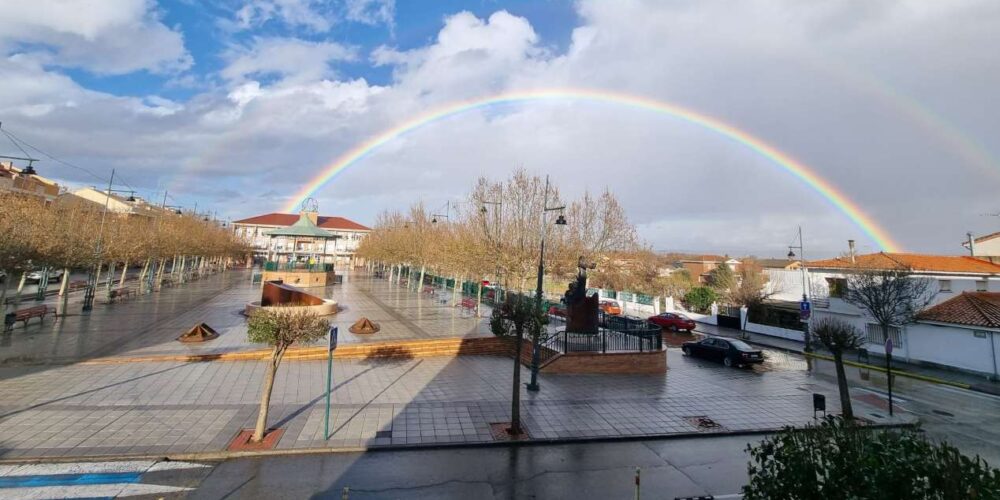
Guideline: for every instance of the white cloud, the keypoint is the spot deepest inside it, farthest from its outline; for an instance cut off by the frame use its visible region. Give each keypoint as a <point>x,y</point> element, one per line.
<point>371,11</point>
<point>316,15</point>
<point>291,59</point>
<point>111,36</point>
<point>779,69</point>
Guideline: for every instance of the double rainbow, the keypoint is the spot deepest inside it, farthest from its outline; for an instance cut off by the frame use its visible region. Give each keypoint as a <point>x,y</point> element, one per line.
<point>851,210</point>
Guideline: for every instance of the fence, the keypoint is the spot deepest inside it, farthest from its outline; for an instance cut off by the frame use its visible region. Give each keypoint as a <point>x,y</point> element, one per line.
<point>298,266</point>
<point>606,340</point>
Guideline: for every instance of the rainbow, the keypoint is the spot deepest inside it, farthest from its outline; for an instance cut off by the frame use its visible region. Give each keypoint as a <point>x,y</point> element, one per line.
<point>851,210</point>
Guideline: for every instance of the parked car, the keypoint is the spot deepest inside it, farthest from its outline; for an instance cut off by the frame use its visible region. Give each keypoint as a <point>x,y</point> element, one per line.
<point>672,321</point>
<point>558,310</point>
<point>610,306</point>
<point>36,276</point>
<point>731,352</point>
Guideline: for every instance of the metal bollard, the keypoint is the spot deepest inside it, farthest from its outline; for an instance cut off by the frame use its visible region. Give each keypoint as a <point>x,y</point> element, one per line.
<point>346,493</point>
<point>636,483</point>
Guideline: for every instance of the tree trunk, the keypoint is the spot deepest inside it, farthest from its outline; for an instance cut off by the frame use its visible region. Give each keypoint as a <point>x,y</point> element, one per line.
<point>3,298</point>
<point>845,398</point>
<point>421,284</point>
<point>97,278</point>
<point>159,274</point>
<point>515,393</point>
<point>121,279</point>
<point>173,267</point>
<point>265,396</point>
<point>111,277</point>
<point>142,274</point>
<point>63,294</point>
<point>20,288</point>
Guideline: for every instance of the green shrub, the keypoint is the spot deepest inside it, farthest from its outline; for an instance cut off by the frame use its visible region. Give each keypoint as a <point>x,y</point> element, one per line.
<point>837,460</point>
<point>700,299</point>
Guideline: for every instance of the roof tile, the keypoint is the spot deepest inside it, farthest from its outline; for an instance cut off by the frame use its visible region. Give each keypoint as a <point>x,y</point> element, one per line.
<point>969,308</point>
<point>911,262</point>
<point>323,221</point>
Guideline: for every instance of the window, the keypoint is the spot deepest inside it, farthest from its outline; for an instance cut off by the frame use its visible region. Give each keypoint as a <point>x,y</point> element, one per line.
<point>838,286</point>
<point>944,286</point>
<point>873,334</point>
<point>981,286</point>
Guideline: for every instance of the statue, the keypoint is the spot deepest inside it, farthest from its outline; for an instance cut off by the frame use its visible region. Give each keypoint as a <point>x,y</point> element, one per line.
<point>581,310</point>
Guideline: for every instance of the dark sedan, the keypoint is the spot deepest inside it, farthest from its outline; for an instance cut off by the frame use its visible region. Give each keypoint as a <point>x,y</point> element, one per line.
<point>730,351</point>
<point>672,321</point>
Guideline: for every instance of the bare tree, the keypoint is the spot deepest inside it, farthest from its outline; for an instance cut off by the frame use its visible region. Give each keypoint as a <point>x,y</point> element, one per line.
<point>839,336</point>
<point>892,297</point>
<point>516,315</point>
<point>750,289</point>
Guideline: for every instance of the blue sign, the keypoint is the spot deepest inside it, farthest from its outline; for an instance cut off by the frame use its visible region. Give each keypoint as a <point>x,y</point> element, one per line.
<point>805,310</point>
<point>333,338</point>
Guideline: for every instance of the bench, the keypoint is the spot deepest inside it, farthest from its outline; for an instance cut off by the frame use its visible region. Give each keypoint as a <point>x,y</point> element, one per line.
<point>25,314</point>
<point>429,290</point>
<point>467,304</point>
<point>121,294</point>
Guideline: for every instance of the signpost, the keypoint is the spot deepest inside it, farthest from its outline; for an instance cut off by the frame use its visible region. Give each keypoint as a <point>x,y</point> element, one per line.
<point>888,368</point>
<point>332,346</point>
<point>805,312</point>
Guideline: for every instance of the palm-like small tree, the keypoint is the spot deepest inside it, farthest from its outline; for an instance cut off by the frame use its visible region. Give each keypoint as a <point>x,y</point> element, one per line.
<point>839,336</point>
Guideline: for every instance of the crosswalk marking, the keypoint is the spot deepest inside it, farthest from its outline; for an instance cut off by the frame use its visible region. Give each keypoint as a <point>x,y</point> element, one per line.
<point>87,479</point>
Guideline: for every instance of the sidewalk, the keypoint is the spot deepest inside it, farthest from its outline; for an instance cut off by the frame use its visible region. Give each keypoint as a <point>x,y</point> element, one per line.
<point>973,382</point>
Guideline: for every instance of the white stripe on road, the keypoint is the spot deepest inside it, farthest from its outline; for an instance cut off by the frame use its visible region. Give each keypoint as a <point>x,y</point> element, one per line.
<point>94,467</point>
<point>88,491</point>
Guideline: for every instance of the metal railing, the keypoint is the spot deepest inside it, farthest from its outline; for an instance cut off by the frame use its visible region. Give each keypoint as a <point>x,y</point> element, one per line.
<point>298,266</point>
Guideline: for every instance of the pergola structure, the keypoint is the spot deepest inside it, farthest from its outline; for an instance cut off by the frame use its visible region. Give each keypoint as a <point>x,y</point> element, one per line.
<point>292,253</point>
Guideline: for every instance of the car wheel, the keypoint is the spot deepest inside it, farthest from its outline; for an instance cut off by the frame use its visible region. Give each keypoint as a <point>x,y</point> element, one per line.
<point>686,350</point>
<point>673,328</point>
<point>728,361</point>
<point>689,330</point>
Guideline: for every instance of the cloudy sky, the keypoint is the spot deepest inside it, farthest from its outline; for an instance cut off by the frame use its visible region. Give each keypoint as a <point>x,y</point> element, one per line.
<point>236,104</point>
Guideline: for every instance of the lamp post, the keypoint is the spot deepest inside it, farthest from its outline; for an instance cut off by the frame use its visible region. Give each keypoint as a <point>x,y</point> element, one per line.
<point>560,221</point>
<point>805,290</point>
<point>499,212</point>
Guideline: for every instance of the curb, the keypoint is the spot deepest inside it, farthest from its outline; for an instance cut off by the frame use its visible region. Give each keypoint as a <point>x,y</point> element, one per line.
<point>901,373</point>
<point>222,455</point>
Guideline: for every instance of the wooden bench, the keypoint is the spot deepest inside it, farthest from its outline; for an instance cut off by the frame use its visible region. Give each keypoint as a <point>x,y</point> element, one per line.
<point>25,314</point>
<point>121,294</point>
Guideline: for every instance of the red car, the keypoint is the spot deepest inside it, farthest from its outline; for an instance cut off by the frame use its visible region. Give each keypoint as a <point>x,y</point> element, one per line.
<point>558,311</point>
<point>672,321</point>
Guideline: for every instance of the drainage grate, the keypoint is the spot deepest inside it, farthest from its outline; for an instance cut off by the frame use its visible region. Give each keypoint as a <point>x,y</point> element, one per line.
<point>703,423</point>
<point>383,434</point>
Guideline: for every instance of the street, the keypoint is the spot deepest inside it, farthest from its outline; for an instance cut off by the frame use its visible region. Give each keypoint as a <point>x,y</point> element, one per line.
<point>669,468</point>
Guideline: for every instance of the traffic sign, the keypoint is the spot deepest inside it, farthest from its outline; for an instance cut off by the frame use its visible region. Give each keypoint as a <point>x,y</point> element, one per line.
<point>333,338</point>
<point>805,310</point>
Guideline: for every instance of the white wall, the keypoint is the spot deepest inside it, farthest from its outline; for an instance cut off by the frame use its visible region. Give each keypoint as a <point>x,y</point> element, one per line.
<point>784,284</point>
<point>952,346</point>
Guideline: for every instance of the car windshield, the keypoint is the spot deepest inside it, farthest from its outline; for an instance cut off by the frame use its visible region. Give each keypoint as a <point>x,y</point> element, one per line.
<point>740,345</point>
<point>681,316</point>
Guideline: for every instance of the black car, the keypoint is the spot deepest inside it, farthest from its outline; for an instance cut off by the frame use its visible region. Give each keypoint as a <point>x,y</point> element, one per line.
<point>731,352</point>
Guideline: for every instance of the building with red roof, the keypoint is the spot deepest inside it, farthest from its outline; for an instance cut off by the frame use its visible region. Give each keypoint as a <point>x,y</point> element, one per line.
<point>344,237</point>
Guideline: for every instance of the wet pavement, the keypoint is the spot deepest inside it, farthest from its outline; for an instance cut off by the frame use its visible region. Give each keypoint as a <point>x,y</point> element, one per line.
<point>150,324</point>
<point>668,469</point>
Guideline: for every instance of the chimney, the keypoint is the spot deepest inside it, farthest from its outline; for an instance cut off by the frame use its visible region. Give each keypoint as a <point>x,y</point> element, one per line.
<point>972,244</point>
<point>313,216</point>
<point>851,251</point>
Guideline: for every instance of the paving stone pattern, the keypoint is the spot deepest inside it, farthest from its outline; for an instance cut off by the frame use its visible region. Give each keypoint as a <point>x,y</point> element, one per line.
<point>176,407</point>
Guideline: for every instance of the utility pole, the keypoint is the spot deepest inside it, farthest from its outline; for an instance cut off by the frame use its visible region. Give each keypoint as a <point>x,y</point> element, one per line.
<point>88,296</point>
<point>806,306</point>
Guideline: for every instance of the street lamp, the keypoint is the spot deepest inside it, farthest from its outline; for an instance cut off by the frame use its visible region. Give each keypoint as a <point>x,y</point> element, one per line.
<point>131,194</point>
<point>560,221</point>
<point>805,296</point>
<point>447,212</point>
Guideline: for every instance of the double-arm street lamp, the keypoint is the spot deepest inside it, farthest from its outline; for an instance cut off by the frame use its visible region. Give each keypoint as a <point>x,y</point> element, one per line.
<point>560,221</point>
<point>805,289</point>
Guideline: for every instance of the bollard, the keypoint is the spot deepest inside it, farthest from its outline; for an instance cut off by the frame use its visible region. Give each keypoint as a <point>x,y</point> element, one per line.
<point>636,483</point>
<point>346,494</point>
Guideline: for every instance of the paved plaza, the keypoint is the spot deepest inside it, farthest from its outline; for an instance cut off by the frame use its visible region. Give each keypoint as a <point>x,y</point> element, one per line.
<point>161,408</point>
<point>150,324</point>
<point>52,406</point>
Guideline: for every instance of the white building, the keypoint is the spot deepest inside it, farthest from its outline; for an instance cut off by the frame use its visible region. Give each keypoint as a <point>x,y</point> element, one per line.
<point>960,332</point>
<point>950,276</point>
<point>346,235</point>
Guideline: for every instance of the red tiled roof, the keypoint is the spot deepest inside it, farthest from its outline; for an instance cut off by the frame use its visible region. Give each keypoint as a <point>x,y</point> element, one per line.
<point>911,262</point>
<point>282,220</point>
<point>969,308</point>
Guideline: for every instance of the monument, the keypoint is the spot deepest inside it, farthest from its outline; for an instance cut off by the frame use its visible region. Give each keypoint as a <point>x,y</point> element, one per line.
<point>581,310</point>
<point>275,293</point>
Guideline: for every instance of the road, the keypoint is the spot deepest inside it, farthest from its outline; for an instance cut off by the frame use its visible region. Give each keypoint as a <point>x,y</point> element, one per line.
<point>669,468</point>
